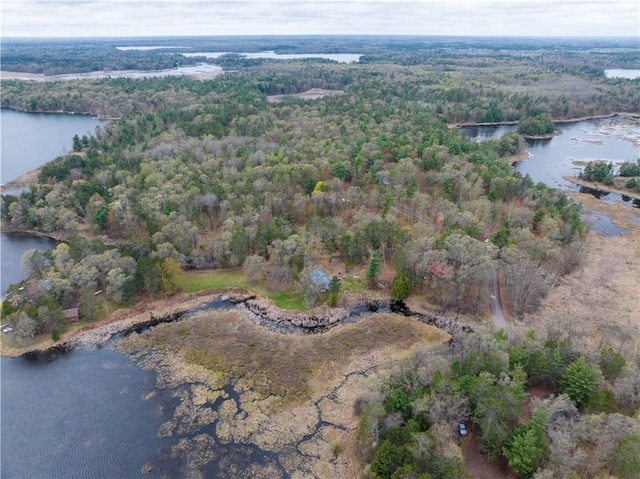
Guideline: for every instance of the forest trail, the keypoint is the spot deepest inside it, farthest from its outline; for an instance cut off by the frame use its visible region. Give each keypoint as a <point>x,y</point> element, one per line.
<point>497,312</point>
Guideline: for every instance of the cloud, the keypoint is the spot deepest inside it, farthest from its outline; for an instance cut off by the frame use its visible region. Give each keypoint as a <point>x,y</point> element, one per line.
<point>199,17</point>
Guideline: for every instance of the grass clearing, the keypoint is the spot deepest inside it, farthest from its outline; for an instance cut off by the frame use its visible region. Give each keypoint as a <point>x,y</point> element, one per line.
<point>200,281</point>
<point>290,299</point>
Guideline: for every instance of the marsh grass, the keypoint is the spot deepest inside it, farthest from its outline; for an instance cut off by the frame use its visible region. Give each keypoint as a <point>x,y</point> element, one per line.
<point>288,366</point>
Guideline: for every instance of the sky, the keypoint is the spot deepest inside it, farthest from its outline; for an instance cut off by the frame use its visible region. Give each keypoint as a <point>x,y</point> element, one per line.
<point>117,18</point>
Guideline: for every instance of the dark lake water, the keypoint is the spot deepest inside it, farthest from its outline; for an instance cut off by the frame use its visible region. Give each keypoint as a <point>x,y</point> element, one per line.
<point>29,140</point>
<point>77,415</point>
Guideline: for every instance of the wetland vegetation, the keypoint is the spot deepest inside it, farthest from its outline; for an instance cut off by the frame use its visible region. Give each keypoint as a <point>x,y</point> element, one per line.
<point>196,185</point>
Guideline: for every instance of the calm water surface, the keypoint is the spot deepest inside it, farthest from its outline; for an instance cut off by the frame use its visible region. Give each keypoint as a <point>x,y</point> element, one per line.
<point>338,57</point>
<point>550,160</point>
<point>12,247</point>
<point>622,73</point>
<point>80,414</point>
<point>77,415</point>
<point>609,139</point>
<point>29,140</point>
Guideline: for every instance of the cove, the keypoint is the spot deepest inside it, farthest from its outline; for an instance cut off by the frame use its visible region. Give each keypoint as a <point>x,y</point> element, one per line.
<point>610,139</point>
<point>12,247</point>
<point>29,140</point>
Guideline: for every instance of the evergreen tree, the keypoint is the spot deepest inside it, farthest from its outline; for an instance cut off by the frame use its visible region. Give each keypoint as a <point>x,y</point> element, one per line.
<point>77,144</point>
<point>580,380</point>
<point>374,267</point>
<point>400,286</point>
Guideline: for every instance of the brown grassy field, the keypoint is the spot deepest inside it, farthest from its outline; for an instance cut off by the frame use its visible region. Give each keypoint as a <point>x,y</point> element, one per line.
<point>599,302</point>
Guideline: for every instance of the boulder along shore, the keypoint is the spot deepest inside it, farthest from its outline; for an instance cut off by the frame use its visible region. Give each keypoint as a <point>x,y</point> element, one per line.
<point>261,311</point>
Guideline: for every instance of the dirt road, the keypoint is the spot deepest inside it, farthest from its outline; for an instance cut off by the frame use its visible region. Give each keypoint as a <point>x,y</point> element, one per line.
<point>497,312</point>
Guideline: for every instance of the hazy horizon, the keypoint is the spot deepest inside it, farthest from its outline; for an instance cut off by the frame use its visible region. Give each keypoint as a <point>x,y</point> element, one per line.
<point>179,18</point>
<point>315,35</point>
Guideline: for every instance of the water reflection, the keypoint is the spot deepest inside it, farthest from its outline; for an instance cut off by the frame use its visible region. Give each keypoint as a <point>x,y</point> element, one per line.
<point>479,133</point>
<point>603,224</point>
<point>552,159</point>
<point>538,142</point>
<point>593,192</point>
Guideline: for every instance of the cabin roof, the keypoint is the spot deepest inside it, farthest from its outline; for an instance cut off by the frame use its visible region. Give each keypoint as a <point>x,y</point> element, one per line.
<point>70,313</point>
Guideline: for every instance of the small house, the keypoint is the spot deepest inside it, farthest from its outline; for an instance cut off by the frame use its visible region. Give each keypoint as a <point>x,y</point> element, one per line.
<point>320,279</point>
<point>71,315</point>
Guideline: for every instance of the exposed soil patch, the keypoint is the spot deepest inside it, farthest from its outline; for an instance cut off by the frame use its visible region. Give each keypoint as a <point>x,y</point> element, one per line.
<point>537,392</point>
<point>311,94</point>
<point>477,463</point>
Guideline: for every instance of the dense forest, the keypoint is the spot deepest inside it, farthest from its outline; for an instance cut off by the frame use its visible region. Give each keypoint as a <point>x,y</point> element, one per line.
<point>212,174</point>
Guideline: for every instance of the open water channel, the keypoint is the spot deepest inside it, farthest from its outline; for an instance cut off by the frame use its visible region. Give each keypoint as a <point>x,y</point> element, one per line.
<point>94,413</point>
<point>552,160</point>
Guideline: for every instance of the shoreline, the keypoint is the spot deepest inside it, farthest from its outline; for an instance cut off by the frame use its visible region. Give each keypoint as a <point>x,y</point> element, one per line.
<point>602,187</point>
<point>518,157</point>
<point>561,121</point>
<point>546,136</point>
<point>63,112</point>
<point>23,180</point>
<point>126,320</point>
<point>259,310</point>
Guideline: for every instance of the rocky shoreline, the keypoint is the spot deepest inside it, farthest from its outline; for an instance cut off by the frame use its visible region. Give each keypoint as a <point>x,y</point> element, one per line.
<point>261,311</point>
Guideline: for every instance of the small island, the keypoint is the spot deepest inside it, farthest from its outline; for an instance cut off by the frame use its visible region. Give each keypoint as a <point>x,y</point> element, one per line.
<point>537,126</point>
